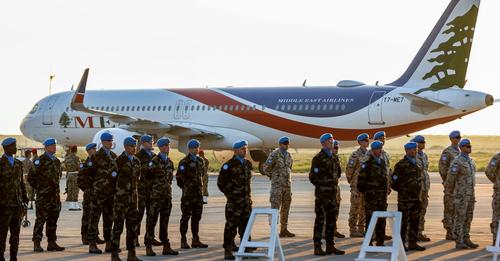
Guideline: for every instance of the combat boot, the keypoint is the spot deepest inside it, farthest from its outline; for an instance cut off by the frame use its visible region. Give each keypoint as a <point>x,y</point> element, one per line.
<point>36,246</point>
<point>184,244</point>
<point>415,246</point>
<point>100,241</point>
<point>228,254</point>
<point>449,235</point>
<point>285,233</point>
<point>115,256</point>
<point>318,251</point>
<point>470,244</point>
<point>131,256</point>
<point>149,251</point>
<point>331,249</point>
<point>53,246</point>
<point>156,242</point>
<point>93,249</point>
<point>109,247</point>
<point>84,240</point>
<point>356,234</point>
<point>167,250</point>
<point>422,238</point>
<point>338,235</point>
<point>196,243</point>
<point>461,245</point>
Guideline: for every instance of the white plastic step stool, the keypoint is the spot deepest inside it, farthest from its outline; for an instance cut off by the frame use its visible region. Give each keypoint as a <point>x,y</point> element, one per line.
<point>495,250</point>
<point>397,249</point>
<point>273,243</point>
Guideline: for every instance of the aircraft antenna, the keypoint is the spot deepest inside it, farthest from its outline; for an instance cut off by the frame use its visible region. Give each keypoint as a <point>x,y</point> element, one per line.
<point>304,83</point>
<point>51,77</point>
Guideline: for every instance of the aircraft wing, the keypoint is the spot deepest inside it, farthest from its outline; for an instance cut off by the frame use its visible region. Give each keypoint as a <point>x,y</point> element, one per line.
<point>136,124</point>
<point>424,105</point>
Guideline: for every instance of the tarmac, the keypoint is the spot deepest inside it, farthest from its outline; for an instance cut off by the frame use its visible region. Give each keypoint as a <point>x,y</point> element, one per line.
<point>301,221</point>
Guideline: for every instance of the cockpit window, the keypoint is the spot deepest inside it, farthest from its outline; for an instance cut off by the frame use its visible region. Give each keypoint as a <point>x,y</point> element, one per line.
<point>34,109</point>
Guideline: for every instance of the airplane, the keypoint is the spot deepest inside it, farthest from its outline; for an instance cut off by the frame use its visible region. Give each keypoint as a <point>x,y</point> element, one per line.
<point>430,92</point>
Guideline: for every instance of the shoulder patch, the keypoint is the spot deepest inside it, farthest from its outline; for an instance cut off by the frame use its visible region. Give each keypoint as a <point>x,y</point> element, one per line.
<point>269,161</point>
<point>150,164</point>
<point>454,169</point>
<point>395,177</point>
<point>181,167</point>
<point>493,163</point>
<point>351,162</point>
<point>225,167</point>
<point>89,164</point>
<point>444,157</point>
<point>114,174</point>
<point>316,170</point>
<point>81,165</point>
<point>37,162</point>
<point>363,166</point>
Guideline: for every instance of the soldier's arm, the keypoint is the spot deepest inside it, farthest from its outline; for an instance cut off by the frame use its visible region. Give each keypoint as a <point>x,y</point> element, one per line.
<point>23,189</point>
<point>443,165</point>
<point>351,167</point>
<point>450,178</point>
<point>269,165</point>
<point>398,171</point>
<point>314,172</point>
<point>81,179</point>
<point>179,176</point>
<point>222,179</point>
<point>492,169</point>
<point>363,174</point>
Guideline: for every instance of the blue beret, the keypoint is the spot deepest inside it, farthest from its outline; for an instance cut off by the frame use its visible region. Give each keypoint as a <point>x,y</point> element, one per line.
<point>379,135</point>
<point>454,134</point>
<point>418,139</point>
<point>325,137</point>
<point>376,145</point>
<point>194,143</point>
<point>464,142</point>
<point>410,145</point>
<point>162,142</point>
<point>106,136</point>
<point>146,138</point>
<point>129,141</point>
<point>336,143</point>
<point>8,141</point>
<point>283,140</point>
<point>239,144</point>
<point>90,146</point>
<point>49,141</point>
<point>363,136</point>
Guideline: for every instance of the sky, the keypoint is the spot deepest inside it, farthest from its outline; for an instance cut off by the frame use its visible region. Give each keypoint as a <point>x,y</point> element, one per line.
<point>182,44</point>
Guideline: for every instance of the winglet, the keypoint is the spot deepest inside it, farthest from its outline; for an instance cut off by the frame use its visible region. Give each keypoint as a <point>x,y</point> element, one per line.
<point>79,95</point>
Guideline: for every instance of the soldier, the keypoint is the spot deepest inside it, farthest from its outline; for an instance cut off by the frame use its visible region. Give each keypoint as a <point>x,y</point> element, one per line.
<point>336,146</point>
<point>372,182</point>
<point>235,182</point>
<point>357,209</point>
<point>160,171</point>
<point>447,156</point>
<point>493,174</point>
<point>407,181</point>
<point>45,180</point>
<point>145,155</point>
<point>189,179</point>
<point>279,168</point>
<point>13,199</point>
<point>71,163</point>
<point>125,208</point>
<point>206,163</point>
<point>459,183</point>
<point>102,172</point>
<point>324,175</point>
<point>423,161</point>
<point>27,167</point>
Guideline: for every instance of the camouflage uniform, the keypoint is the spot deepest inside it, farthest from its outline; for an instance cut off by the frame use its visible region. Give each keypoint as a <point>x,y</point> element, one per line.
<point>423,162</point>
<point>279,167</point>
<point>144,186</point>
<point>460,183</point>
<point>447,157</point>
<point>357,210</point>
<point>72,164</point>
<point>102,174</point>
<point>189,179</point>
<point>45,180</point>
<point>12,197</point>
<point>494,176</point>
<point>373,183</point>
<point>125,208</point>
<point>205,176</point>
<point>27,167</point>
<point>160,172</point>
<point>235,182</point>
<point>407,181</point>
<point>324,175</point>
<point>85,184</point>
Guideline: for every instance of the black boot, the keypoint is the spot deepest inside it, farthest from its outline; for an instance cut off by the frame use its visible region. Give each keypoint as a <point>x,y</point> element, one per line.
<point>156,242</point>
<point>415,246</point>
<point>470,244</point>
<point>228,254</point>
<point>100,241</point>
<point>331,249</point>
<point>167,250</point>
<point>149,251</point>
<point>131,256</point>
<point>115,256</point>
<point>196,243</point>
<point>318,251</point>
<point>93,249</point>
<point>184,244</point>
<point>53,246</point>
<point>36,246</point>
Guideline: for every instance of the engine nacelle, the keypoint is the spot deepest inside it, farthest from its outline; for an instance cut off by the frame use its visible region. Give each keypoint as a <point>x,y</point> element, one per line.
<point>119,136</point>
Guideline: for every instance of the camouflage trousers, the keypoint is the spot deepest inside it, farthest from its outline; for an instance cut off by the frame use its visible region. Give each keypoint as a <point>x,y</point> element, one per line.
<point>205,184</point>
<point>191,208</point>
<point>462,219</point>
<point>10,220</point>
<point>357,212</point>
<point>325,208</point>
<point>424,202</point>
<point>72,189</point>
<point>106,208</point>
<point>410,220</point>
<point>87,213</point>
<point>281,198</point>
<point>162,208</point>
<point>237,215</point>
<point>124,213</point>
<point>448,212</point>
<point>143,207</point>
<point>495,204</point>
<point>47,213</point>
<point>376,202</point>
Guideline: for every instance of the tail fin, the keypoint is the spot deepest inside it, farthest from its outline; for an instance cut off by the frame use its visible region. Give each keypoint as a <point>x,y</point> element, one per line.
<point>442,60</point>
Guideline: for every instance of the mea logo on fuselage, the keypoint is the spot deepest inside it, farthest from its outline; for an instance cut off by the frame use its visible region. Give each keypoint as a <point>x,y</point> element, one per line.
<point>88,122</point>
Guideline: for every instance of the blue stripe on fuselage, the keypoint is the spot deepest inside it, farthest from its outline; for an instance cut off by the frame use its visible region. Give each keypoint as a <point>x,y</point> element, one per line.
<point>310,101</point>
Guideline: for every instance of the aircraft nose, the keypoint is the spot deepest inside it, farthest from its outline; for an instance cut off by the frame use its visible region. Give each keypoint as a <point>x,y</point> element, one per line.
<point>489,100</point>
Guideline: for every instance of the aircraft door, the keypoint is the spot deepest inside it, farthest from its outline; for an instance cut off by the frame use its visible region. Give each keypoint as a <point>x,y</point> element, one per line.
<point>375,108</point>
<point>47,111</point>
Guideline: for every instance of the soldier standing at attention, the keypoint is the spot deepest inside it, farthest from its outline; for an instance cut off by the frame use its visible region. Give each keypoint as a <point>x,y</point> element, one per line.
<point>336,147</point>
<point>13,198</point>
<point>45,180</point>
<point>423,161</point>
<point>71,164</point>
<point>205,176</point>
<point>125,209</point>
<point>460,183</point>
<point>235,182</point>
<point>27,167</point>
<point>447,156</point>
<point>357,210</point>
<point>279,168</point>
<point>189,178</point>
<point>324,176</point>
<point>372,182</point>
<point>407,181</point>
<point>493,174</point>
<point>161,171</point>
